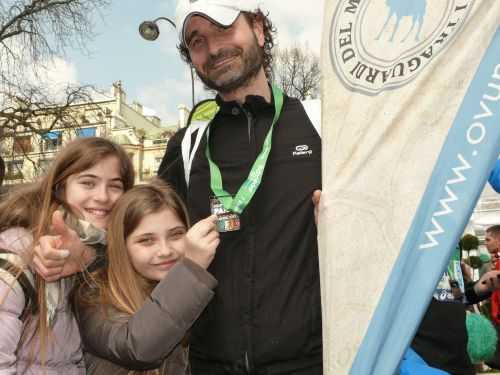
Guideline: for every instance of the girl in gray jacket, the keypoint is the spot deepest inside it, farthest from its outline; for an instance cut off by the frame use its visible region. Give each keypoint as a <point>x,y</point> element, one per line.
<point>38,333</point>
<point>134,312</point>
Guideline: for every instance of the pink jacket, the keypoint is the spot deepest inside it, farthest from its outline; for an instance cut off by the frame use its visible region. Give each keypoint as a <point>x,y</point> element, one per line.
<point>64,354</point>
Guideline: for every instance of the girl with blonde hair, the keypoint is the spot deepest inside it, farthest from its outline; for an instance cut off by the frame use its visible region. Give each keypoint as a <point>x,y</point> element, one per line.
<point>137,309</point>
<point>39,331</point>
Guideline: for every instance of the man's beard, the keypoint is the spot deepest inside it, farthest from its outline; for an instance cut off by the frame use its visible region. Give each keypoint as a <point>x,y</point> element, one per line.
<point>251,62</point>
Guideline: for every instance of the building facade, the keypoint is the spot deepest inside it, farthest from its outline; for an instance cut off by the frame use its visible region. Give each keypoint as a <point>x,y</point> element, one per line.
<point>27,153</point>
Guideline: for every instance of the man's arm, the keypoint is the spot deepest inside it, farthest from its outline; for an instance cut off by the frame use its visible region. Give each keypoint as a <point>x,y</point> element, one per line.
<point>171,169</point>
<point>483,288</point>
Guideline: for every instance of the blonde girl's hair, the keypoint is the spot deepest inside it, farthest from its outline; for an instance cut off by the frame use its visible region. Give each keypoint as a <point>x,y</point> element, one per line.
<point>31,206</point>
<point>119,285</point>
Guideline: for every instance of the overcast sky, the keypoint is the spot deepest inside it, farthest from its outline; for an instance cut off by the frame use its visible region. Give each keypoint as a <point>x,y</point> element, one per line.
<point>152,72</point>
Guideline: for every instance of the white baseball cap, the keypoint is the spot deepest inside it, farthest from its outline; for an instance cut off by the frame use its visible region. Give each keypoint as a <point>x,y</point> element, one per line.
<point>222,12</point>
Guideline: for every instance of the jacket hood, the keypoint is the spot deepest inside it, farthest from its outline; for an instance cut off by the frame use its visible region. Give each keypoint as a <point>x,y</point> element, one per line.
<point>16,240</point>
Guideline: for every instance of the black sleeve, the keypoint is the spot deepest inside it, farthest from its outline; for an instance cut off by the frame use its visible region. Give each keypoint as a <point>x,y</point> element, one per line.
<point>171,169</point>
<point>441,338</point>
<point>472,297</point>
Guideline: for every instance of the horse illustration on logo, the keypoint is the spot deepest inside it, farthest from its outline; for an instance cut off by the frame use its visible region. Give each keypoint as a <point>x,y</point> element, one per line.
<point>405,8</point>
<point>370,58</point>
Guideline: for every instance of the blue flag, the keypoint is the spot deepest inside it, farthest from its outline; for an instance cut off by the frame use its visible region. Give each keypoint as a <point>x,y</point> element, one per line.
<point>410,133</point>
<point>464,164</point>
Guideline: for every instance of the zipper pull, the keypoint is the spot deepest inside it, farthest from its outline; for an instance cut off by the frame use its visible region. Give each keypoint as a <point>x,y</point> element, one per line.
<point>247,363</point>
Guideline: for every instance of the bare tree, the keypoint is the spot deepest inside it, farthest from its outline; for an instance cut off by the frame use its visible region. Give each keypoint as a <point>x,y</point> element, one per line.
<point>34,109</point>
<point>296,71</point>
<point>33,33</point>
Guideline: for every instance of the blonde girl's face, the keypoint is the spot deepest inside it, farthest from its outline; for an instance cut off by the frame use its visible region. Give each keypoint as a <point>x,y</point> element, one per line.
<point>94,192</point>
<point>156,244</point>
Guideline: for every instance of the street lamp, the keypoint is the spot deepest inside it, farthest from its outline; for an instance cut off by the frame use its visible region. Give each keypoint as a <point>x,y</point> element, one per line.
<point>2,171</point>
<point>149,30</point>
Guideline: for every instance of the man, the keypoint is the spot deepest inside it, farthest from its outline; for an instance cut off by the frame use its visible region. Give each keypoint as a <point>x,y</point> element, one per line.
<point>492,242</point>
<point>265,317</point>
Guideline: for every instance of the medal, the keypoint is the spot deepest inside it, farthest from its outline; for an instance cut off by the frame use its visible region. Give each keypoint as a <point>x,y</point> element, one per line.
<point>227,221</point>
<point>224,205</point>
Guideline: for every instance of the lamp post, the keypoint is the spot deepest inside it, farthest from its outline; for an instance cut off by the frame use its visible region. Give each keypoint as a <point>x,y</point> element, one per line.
<point>2,171</point>
<point>149,30</point>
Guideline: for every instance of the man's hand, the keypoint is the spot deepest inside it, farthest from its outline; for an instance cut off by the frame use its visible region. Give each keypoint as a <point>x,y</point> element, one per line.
<point>489,282</point>
<point>316,197</point>
<point>61,254</point>
<point>201,241</point>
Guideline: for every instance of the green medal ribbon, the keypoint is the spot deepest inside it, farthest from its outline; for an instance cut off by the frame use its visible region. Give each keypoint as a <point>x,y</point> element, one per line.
<point>252,183</point>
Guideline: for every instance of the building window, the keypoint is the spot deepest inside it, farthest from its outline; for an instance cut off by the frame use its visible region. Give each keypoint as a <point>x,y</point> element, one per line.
<point>22,144</point>
<point>52,141</point>
<point>14,170</point>
<point>86,132</point>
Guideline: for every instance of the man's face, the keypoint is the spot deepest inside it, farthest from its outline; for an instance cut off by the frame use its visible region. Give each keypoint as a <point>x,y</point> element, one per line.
<point>492,243</point>
<point>225,58</point>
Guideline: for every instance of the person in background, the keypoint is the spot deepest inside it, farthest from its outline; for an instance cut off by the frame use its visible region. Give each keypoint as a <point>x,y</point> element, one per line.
<point>492,242</point>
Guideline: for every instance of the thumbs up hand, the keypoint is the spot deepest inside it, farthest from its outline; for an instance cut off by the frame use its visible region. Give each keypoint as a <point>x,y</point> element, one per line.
<point>61,254</point>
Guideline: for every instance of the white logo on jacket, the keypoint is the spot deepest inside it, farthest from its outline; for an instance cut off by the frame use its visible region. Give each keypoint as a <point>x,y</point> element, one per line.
<point>301,150</point>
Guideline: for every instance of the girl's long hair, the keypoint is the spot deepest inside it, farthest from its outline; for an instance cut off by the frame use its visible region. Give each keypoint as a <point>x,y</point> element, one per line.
<point>119,285</point>
<point>31,206</point>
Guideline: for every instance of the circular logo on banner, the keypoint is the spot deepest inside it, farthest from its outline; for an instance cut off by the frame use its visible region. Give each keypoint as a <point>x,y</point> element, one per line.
<point>377,45</point>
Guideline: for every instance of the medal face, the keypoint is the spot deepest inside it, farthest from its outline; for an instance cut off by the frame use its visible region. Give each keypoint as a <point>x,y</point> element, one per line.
<point>227,221</point>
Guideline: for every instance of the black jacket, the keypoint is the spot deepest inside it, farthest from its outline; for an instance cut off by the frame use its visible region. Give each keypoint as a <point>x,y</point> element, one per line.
<point>441,338</point>
<point>266,311</point>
